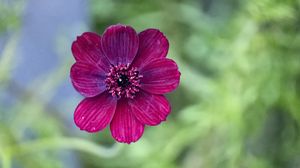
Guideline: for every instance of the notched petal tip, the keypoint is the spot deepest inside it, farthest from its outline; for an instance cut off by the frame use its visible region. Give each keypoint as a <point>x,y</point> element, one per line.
<point>133,140</point>
<point>118,25</point>
<point>177,75</point>
<point>159,37</point>
<point>87,37</point>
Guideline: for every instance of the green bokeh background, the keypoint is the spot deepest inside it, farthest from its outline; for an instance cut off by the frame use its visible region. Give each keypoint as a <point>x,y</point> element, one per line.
<point>237,105</point>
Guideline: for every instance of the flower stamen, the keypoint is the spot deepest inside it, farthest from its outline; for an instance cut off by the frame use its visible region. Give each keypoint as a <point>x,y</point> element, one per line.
<point>123,81</point>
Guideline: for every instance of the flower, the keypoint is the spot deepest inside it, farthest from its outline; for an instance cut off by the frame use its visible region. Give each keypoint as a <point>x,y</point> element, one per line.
<point>123,76</point>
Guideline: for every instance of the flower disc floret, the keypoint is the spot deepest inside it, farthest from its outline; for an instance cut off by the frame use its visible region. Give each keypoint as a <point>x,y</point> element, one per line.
<point>123,81</point>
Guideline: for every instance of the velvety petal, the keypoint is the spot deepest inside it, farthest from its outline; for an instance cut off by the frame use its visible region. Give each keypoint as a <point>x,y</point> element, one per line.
<point>160,76</point>
<point>95,113</point>
<point>124,126</point>
<point>88,79</point>
<point>120,44</point>
<point>150,109</point>
<point>87,48</point>
<point>152,45</point>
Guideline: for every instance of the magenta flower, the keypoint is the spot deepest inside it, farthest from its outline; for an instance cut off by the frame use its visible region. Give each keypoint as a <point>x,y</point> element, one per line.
<point>123,76</point>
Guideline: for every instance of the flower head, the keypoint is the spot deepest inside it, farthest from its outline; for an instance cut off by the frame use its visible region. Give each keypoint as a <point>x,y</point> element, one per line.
<point>123,76</point>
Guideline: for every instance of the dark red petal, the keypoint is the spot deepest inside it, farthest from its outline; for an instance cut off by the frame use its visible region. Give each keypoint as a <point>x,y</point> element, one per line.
<point>88,79</point>
<point>152,45</point>
<point>87,48</point>
<point>120,44</point>
<point>124,126</point>
<point>150,109</point>
<point>160,76</point>
<point>95,113</point>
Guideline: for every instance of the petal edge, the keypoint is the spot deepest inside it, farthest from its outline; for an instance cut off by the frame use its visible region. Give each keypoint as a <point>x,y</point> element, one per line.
<point>87,79</point>
<point>120,44</point>
<point>160,76</point>
<point>94,114</point>
<point>125,127</point>
<point>87,48</point>
<point>150,109</point>
<point>153,44</point>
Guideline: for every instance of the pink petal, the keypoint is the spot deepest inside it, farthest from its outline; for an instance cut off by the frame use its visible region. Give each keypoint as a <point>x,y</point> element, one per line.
<point>124,126</point>
<point>120,44</point>
<point>150,109</point>
<point>152,45</point>
<point>87,49</point>
<point>160,76</point>
<point>88,79</point>
<point>94,114</point>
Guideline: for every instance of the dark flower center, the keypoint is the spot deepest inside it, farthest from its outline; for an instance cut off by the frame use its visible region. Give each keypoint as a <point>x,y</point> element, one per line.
<point>123,81</point>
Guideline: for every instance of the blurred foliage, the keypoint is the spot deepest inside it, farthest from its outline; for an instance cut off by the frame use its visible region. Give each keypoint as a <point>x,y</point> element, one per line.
<point>237,105</point>
<point>10,13</point>
<point>239,98</point>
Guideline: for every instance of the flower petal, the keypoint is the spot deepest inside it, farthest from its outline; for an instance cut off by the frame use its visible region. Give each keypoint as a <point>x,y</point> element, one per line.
<point>160,76</point>
<point>95,113</point>
<point>152,45</point>
<point>87,48</point>
<point>88,79</point>
<point>120,44</point>
<point>124,126</point>
<point>150,109</point>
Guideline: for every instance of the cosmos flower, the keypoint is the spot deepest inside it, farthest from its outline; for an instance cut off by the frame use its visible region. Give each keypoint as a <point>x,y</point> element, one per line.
<point>123,76</point>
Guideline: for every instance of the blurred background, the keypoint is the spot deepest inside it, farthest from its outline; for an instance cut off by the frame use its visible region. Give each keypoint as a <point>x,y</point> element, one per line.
<point>237,105</point>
